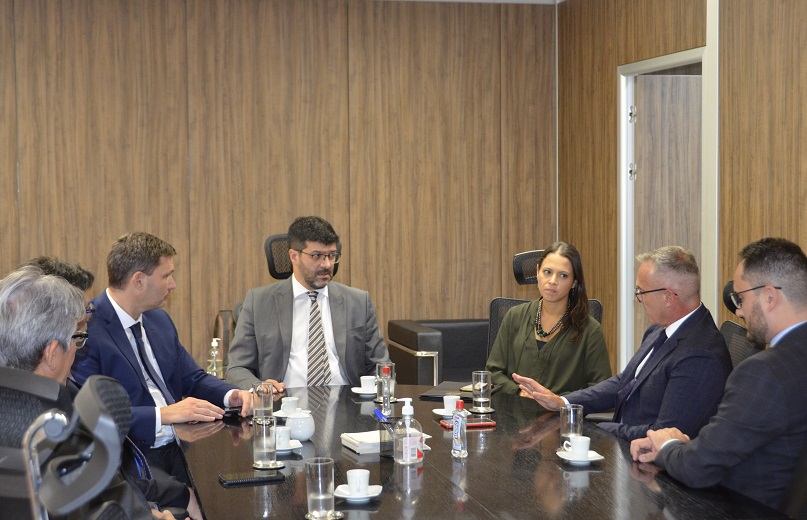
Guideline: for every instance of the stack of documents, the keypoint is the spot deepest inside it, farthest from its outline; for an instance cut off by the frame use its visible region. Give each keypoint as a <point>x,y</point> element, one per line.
<point>363,442</point>
<point>371,442</point>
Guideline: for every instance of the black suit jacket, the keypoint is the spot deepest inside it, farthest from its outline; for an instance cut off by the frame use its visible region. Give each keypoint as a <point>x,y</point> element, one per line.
<point>679,386</point>
<point>752,444</point>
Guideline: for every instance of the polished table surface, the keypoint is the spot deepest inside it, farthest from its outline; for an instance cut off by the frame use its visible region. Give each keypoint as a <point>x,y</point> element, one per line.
<point>511,472</point>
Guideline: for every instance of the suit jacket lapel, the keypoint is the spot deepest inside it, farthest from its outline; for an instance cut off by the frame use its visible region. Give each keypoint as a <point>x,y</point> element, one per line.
<point>284,307</point>
<point>118,335</point>
<point>338,321</point>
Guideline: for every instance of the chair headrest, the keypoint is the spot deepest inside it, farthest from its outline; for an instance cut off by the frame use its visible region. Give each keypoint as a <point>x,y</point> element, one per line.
<point>727,290</point>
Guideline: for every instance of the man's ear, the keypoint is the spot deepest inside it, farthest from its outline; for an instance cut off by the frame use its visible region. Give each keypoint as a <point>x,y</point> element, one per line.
<point>138,280</point>
<point>49,361</point>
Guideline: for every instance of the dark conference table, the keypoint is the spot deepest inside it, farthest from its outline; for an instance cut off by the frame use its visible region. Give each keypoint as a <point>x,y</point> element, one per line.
<point>512,472</point>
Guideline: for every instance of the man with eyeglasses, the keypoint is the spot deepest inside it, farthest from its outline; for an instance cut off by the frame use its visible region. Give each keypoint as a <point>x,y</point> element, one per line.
<point>157,486</point>
<point>132,339</point>
<point>306,330</point>
<point>677,375</point>
<point>754,441</point>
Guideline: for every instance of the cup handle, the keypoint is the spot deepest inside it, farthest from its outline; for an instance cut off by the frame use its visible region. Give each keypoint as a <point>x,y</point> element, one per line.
<point>567,446</point>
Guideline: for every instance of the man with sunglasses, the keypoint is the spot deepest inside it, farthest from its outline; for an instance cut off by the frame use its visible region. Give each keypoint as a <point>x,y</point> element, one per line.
<point>677,375</point>
<point>754,441</point>
<point>306,330</point>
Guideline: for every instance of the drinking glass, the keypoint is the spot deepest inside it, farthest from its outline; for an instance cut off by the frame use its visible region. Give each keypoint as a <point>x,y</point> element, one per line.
<point>480,383</point>
<point>261,402</point>
<point>319,486</point>
<point>571,422</point>
<point>264,444</point>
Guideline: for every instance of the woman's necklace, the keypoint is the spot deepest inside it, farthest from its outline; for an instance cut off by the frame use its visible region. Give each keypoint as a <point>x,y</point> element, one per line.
<point>540,331</point>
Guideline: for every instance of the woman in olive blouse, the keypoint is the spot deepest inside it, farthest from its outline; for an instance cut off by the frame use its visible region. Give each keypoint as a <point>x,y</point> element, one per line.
<point>553,339</point>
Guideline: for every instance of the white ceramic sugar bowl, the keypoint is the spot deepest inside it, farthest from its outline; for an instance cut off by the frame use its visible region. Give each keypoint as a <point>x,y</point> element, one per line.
<point>301,425</point>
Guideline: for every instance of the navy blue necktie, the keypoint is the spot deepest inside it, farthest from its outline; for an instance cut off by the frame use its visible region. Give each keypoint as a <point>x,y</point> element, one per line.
<point>151,372</point>
<point>624,392</point>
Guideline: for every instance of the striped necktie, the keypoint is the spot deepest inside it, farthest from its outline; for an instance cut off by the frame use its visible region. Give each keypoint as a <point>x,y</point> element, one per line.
<point>319,371</point>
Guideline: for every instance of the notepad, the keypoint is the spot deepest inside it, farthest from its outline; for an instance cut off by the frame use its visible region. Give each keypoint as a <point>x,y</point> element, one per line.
<point>370,442</point>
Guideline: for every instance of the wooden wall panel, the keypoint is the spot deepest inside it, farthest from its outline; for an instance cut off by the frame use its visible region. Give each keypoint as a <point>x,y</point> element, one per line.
<point>102,130</point>
<point>587,130</point>
<point>529,137</point>
<point>9,209</point>
<point>594,38</point>
<point>425,157</point>
<point>267,90</point>
<point>652,28</point>
<point>763,125</point>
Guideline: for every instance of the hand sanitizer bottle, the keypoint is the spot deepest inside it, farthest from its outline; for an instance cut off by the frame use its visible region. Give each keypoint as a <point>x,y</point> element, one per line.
<point>459,420</point>
<point>408,436</point>
<point>214,367</point>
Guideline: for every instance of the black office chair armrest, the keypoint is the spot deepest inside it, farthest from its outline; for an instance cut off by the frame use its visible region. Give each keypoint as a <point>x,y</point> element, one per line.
<point>416,351</point>
<point>415,335</point>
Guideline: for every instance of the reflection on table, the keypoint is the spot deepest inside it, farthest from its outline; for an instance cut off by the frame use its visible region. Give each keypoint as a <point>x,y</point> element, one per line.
<point>511,471</point>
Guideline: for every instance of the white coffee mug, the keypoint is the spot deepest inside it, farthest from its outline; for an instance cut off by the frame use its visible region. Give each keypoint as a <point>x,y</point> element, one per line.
<point>282,437</point>
<point>577,446</point>
<point>368,383</point>
<point>358,481</point>
<point>450,402</point>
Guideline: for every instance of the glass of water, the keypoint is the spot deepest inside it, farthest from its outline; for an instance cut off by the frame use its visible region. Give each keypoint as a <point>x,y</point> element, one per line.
<point>481,382</point>
<point>319,486</point>
<point>571,422</point>
<point>264,444</point>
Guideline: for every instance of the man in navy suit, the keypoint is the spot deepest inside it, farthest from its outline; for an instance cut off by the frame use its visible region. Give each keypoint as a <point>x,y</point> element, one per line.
<point>677,375</point>
<point>134,341</point>
<point>754,441</point>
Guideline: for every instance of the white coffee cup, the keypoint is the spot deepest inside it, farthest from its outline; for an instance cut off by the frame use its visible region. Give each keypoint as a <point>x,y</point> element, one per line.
<point>358,481</point>
<point>368,383</point>
<point>282,437</point>
<point>289,405</point>
<point>450,402</point>
<point>578,446</point>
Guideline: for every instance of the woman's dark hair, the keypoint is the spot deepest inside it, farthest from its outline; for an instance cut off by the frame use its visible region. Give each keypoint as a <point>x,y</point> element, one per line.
<point>578,297</point>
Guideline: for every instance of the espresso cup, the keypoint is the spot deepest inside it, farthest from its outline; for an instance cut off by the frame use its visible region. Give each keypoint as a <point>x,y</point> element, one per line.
<point>450,402</point>
<point>358,481</point>
<point>289,405</point>
<point>577,446</point>
<point>282,437</point>
<point>368,383</point>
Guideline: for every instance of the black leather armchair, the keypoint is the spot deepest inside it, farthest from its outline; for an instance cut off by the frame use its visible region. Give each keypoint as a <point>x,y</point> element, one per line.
<point>431,351</point>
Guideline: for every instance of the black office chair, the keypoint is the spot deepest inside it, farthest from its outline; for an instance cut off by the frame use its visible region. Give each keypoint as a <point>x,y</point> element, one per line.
<point>42,449</point>
<point>498,308</point>
<point>277,248</point>
<point>740,347</point>
<point>525,267</point>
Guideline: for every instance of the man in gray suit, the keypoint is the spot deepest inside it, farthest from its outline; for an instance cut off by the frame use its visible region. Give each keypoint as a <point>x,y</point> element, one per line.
<point>754,441</point>
<point>307,330</point>
<point>678,373</point>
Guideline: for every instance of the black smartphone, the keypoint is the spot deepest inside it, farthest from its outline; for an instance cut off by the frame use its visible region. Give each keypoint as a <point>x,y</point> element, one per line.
<point>232,416</point>
<point>250,478</point>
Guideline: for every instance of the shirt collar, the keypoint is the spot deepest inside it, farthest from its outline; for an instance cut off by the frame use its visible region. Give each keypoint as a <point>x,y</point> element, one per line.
<point>779,336</point>
<point>125,320</point>
<point>670,330</point>
<point>299,290</point>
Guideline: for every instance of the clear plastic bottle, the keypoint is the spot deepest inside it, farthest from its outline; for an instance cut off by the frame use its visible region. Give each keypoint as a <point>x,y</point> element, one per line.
<point>214,367</point>
<point>459,423</point>
<point>386,391</point>
<point>408,436</point>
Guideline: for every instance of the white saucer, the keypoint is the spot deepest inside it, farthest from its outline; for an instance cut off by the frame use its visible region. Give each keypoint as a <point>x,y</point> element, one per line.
<point>442,412</point>
<point>294,444</point>
<point>282,414</point>
<point>363,391</point>
<point>593,456</point>
<point>343,491</point>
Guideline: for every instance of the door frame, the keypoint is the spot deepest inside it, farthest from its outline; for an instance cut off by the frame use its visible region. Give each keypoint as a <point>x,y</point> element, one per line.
<point>710,287</point>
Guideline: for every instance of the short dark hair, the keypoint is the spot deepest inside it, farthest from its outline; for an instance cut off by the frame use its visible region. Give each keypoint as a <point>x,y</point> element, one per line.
<point>135,252</point>
<point>311,229</point>
<point>578,296</point>
<point>777,261</point>
<point>76,275</point>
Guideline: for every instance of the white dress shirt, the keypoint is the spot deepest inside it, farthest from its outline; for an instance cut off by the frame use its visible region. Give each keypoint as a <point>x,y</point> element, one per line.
<point>297,371</point>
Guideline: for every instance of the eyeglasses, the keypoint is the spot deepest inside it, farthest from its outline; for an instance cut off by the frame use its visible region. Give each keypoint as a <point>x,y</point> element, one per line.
<point>88,311</point>
<point>80,338</point>
<point>640,293</point>
<point>318,257</point>
<point>738,302</point>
